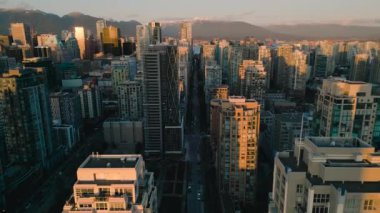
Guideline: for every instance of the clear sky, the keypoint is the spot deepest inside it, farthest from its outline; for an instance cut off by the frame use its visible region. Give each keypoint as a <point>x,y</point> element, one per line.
<point>259,12</point>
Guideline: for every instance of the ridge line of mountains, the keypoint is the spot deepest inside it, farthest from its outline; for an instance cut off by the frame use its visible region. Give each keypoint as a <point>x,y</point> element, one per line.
<point>43,22</point>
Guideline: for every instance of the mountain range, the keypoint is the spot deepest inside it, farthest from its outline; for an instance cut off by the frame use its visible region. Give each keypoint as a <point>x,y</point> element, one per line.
<point>43,22</point>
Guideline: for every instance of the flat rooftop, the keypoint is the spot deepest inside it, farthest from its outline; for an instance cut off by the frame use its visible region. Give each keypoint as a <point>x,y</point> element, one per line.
<point>338,142</point>
<point>111,161</point>
<point>349,186</point>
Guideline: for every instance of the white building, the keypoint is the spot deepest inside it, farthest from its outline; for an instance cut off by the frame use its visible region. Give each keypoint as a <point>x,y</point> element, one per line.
<point>326,174</point>
<point>113,183</point>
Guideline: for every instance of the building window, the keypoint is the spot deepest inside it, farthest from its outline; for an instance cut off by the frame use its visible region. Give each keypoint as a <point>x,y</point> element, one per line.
<point>104,191</point>
<point>101,206</point>
<point>299,188</point>
<point>369,205</point>
<point>321,198</point>
<point>320,209</point>
<point>117,206</point>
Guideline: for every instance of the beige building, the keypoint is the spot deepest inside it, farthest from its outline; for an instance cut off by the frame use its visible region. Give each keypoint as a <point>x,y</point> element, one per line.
<point>113,183</point>
<point>186,32</point>
<point>213,78</point>
<point>327,174</point>
<point>348,109</point>
<point>235,124</point>
<point>21,34</point>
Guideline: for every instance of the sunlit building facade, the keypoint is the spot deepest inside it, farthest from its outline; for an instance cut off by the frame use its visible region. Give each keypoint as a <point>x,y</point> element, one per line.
<point>21,34</point>
<point>235,125</point>
<point>80,36</point>
<point>348,109</point>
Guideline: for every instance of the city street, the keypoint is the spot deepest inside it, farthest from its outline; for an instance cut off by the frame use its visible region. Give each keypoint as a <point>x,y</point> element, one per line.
<point>50,196</point>
<point>192,140</point>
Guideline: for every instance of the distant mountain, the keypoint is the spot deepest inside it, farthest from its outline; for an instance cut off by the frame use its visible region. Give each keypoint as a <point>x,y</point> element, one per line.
<point>328,31</point>
<point>43,22</point>
<point>224,29</point>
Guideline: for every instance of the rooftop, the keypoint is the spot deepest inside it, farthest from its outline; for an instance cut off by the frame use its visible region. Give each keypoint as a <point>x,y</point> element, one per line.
<point>338,142</point>
<point>349,186</point>
<point>110,161</point>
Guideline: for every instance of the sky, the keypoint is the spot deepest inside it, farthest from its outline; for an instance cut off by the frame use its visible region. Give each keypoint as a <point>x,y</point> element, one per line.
<point>259,12</point>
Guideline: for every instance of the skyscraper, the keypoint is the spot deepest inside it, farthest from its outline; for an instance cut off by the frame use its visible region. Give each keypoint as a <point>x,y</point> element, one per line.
<point>155,32</point>
<point>143,39</point>
<point>21,34</point>
<point>359,67</point>
<point>119,71</point>
<point>100,25</point>
<point>235,125</point>
<point>163,125</point>
<point>80,35</point>
<point>348,109</point>
<point>213,79</point>
<point>285,61</point>
<point>91,104</point>
<point>130,98</point>
<point>254,80</point>
<point>25,117</point>
<point>186,32</point>
<point>111,40</point>
<point>66,109</point>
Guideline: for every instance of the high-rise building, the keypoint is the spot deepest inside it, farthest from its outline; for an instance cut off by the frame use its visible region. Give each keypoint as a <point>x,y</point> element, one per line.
<point>326,174</point>
<point>254,80</point>
<point>143,39</point>
<point>359,68</point>
<point>107,183</point>
<point>130,99</point>
<point>320,66</point>
<point>42,52</point>
<point>111,40</point>
<point>213,79</point>
<point>285,61</point>
<point>348,109</point>
<point>298,76</point>
<point>125,136</point>
<point>184,59</point>
<point>185,32</point>
<point>21,34</point>
<point>66,109</point>
<point>50,40</point>
<point>374,76</point>
<point>100,25</point>
<point>47,64</point>
<point>7,63</point>
<point>119,71</point>
<point>155,32</point>
<point>220,92</point>
<point>235,125</point>
<point>25,117</point>
<point>235,58</point>
<point>163,128</point>
<point>90,99</point>
<point>80,36</point>
<point>287,127</point>
<point>208,53</point>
